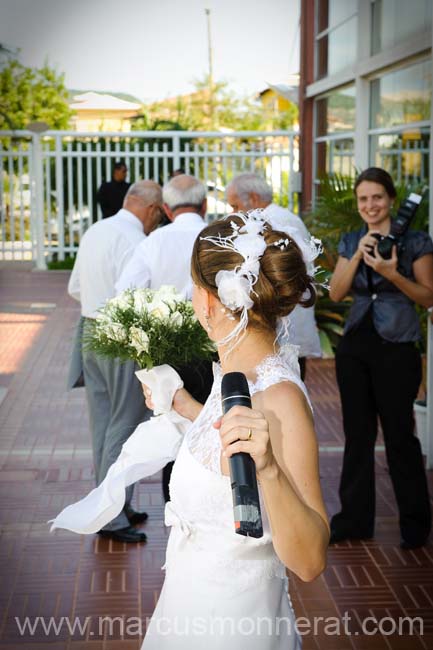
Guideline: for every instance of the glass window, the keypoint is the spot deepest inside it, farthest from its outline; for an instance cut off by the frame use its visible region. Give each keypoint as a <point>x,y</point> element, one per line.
<point>404,155</point>
<point>396,20</point>
<point>401,97</point>
<point>336,112</point>
<point>337,49</point>
<point>336,36</point>
<point>339,10</point>
<point>335,156</point>
<point>333,12</point>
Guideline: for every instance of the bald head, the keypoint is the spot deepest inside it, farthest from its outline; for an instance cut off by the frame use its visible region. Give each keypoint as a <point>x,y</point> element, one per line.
<point>184,193</point>
<point>144,200</point>
<point>145,191</point>
<point>248,191</point>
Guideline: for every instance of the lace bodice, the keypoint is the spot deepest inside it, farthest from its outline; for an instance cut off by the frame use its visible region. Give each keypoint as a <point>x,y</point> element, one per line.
<point>202,439</point>
<point>200,510</point>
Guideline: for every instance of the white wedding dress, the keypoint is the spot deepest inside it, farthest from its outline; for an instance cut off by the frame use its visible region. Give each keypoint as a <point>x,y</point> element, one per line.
<point>222,591</point>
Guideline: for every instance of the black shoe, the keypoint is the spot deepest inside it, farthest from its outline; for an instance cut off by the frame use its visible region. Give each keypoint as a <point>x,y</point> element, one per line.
<point>408,546</point>
<point>128,535</point>
<point>340,536</point>
<point>135,517</point>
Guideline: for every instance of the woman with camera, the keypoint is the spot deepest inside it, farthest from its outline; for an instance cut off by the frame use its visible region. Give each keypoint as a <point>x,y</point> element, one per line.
<point>378,365</point>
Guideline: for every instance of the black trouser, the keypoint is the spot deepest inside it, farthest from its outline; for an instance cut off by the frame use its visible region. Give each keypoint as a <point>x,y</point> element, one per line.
<point>303,367</point>
<point>197,379</point>
<point>378,378</point>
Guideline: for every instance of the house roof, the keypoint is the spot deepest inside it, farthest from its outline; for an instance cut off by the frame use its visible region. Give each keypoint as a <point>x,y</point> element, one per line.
<point>288,92</point>
<point>92,101</point>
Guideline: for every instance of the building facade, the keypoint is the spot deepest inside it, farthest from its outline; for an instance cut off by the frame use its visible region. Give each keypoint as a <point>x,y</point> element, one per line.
<point>101,112</point>
<point>365,88</point>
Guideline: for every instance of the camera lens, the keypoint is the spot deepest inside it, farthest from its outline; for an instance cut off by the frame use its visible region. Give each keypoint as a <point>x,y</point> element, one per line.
<point>384,247</point>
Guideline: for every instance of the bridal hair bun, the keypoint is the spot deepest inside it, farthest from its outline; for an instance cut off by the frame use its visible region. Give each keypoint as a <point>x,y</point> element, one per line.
<point>252,269</point>
<point>283,280</point>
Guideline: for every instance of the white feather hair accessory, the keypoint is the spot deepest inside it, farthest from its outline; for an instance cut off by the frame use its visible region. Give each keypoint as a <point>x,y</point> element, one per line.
<point>235,287</point>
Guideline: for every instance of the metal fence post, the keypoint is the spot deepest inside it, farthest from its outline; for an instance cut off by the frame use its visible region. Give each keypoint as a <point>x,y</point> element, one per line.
<point>38,194</point>
<point>59,199</point>
<point>176,151</point>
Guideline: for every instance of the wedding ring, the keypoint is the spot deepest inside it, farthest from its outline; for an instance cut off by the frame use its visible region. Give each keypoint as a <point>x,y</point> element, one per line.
<point>250,434</point>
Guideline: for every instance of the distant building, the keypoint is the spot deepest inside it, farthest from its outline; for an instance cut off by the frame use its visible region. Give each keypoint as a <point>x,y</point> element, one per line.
<point>365,88</point>
<point>277,98</point>
<point>102,112</point>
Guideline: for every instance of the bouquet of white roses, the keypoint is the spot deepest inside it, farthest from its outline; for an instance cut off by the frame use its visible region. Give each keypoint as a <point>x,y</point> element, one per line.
<point>150,327</point>
<point>158,330</point>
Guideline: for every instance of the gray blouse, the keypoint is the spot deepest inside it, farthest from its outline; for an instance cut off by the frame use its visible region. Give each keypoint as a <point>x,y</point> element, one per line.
<point>393,313</point>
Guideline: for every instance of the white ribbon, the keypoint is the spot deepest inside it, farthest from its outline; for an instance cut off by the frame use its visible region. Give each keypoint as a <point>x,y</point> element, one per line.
<point>182,530</point>
<point>172,518</point>
<point>163,381</point>
<point>152,445</point>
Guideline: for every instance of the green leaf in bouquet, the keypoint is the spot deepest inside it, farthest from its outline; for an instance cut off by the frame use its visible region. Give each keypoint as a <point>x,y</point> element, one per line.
<point>150,327</point>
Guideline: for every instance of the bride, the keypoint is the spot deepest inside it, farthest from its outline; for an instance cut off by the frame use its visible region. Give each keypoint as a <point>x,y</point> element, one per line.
<point>221,588</point>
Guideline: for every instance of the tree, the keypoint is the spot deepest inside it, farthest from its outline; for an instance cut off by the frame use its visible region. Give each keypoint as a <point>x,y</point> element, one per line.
<point>32,94</point>
<point>206,111</point>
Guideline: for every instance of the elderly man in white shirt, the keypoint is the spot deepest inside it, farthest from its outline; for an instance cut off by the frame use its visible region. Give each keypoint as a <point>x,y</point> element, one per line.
<point>250,191</point>
<point>165,258</point>
<point>113,392</point>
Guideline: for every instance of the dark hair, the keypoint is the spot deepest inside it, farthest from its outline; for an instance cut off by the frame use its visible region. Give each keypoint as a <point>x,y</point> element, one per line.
<point>177,172</point>
<point>377,175</point>
<point>120,164</point>
<point>283,279</point>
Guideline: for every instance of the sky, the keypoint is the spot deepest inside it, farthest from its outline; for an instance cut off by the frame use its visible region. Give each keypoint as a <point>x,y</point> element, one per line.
<point>154,49</point>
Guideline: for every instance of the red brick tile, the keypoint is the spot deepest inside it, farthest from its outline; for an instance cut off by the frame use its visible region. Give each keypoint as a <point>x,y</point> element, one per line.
<point>44,430</point>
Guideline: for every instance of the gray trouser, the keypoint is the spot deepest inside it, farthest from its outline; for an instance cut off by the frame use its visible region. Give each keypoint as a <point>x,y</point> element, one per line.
<point>116,407</point>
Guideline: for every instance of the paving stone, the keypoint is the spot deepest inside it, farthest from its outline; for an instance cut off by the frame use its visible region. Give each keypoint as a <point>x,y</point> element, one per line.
<point>46,463</point>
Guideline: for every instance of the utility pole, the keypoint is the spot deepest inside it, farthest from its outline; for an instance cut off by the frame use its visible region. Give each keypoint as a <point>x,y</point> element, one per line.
<point>210,75</point>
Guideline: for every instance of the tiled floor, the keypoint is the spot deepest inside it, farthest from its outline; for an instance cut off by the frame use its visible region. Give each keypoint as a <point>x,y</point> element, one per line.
<point>46,463</point>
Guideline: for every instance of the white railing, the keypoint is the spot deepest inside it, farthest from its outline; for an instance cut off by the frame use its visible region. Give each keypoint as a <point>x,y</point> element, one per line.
<point>48,181</point>
<point>407,160</point>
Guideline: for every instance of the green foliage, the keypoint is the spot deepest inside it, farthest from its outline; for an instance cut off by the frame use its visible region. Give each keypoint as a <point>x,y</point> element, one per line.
<point>285,119</point>
<point>213,107</point>
<point>32,94</point>
<point>150,327</point>
<point>336,213</point>
<point>330,316</point>
<point>62,265</point>
<point>281,195</point>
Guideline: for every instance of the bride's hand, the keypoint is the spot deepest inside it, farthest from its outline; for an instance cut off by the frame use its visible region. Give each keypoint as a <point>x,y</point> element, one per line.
<point>148,397</point>
<point>183,403</point>
<point>244,429</point>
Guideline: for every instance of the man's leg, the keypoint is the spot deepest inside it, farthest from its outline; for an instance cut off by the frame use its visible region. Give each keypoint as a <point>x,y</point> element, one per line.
<point>303,367</point>
<point>127,411</point>
<point>99,405</point>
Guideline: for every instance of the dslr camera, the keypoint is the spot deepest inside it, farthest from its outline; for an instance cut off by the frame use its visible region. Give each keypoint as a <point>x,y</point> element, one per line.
<point>399,226</point>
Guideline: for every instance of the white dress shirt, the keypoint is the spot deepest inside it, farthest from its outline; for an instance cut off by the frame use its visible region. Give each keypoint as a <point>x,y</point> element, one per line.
<point>164,257</point>
<point>303,329</point>
<point>105,249</point>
